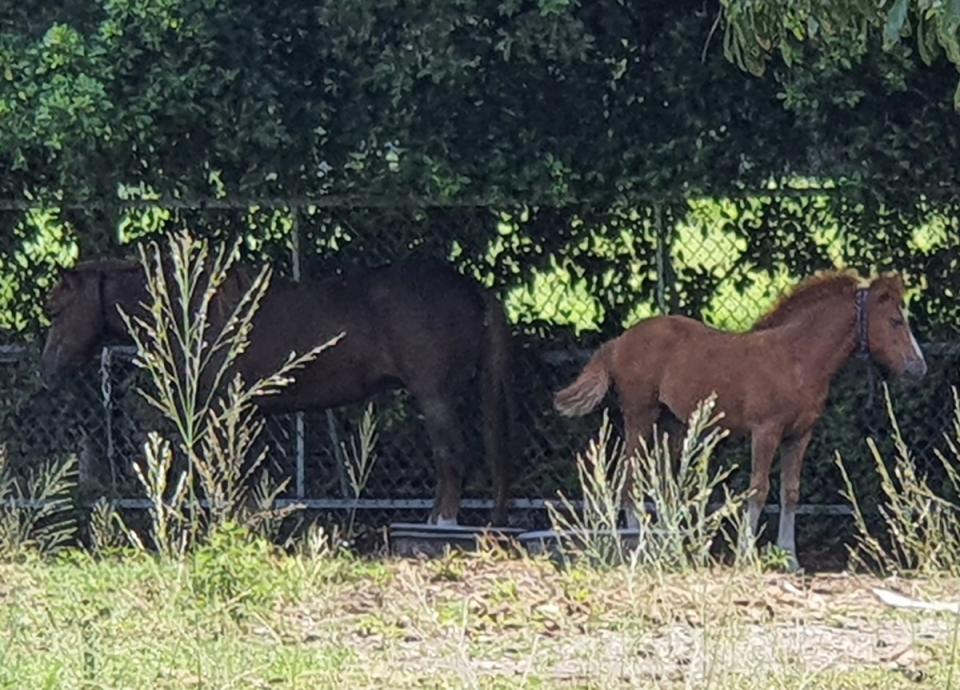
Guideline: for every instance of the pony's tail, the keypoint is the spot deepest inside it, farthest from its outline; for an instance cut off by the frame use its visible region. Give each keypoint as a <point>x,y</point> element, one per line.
<point>584,394</point>
<point>497,400</point>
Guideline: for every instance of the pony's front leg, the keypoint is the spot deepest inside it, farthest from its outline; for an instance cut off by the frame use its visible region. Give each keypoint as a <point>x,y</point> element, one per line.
<point>791,463</point>
<point>764,446</point>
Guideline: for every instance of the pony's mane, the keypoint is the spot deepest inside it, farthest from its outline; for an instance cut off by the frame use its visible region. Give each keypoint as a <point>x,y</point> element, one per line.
<point>813,290</point>
<point>107,265</point>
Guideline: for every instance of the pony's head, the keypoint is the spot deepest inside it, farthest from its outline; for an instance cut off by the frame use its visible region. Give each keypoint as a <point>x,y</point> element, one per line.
<point>79,321</point>
<point>884,328</point>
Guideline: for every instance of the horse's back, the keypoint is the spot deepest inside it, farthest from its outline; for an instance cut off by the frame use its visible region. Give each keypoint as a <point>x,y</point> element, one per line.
<point>410,322</point>
<point>432,315</point>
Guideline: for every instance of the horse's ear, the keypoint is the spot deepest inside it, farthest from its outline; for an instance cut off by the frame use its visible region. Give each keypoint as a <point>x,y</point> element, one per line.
<point>71,281</point>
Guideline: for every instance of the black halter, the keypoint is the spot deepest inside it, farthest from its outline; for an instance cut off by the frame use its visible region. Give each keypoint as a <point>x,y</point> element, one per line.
<point>863,337</point>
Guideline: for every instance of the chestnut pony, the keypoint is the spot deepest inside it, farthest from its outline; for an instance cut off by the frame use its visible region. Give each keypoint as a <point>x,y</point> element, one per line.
<point>771,382</point>
<point>417,324</point>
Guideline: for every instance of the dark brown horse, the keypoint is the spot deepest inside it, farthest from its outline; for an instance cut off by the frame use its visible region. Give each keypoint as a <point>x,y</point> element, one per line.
<point>417,325</point>
<point>771,382</point>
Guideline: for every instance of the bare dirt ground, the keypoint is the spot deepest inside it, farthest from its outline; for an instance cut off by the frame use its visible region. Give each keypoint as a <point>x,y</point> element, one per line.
<point>481,619</point>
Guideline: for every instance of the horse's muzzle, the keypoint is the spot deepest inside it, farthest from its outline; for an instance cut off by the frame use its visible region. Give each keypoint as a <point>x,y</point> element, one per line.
<point>50,375</point>
<point>47,377</point>
<point>915,369</point>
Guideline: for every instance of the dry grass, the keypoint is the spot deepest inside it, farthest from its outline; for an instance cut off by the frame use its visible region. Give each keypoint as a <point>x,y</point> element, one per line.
<point>237,614</point>
<point>479,620</point>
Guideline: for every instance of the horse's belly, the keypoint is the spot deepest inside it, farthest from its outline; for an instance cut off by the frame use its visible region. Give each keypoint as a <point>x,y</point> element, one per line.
<point>326,390</point>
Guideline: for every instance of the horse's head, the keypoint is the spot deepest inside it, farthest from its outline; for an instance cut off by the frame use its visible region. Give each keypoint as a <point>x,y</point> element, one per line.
<point>78,323</point>
<point>889,338</point>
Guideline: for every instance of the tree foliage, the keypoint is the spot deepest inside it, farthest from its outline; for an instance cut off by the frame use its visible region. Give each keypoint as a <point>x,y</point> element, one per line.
<point>545,99</point>
<point>585,111</point>
<point>840,30</point>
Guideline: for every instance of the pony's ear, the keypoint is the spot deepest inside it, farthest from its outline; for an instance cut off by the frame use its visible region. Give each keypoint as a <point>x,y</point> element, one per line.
<point>889,288</point>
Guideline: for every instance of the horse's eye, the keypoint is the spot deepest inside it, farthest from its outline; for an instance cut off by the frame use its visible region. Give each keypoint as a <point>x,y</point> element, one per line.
<point>53,307</point>
<point>896,322</point>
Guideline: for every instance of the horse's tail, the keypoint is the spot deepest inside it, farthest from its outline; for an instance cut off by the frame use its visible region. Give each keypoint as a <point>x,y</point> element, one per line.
<point>497,400</point>
<point>584,394</point>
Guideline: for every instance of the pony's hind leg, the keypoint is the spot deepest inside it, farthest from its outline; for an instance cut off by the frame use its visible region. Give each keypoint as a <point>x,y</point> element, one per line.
<point>791,464</point>
<point>638,422</point>
<point>676,430</point>
<point>448,447</point>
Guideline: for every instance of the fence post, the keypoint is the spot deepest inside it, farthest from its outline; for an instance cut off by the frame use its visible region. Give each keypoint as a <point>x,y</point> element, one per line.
<point>106,400</point>
<point>666,292</point>
<point>338,452</point>
<point>299,429</point>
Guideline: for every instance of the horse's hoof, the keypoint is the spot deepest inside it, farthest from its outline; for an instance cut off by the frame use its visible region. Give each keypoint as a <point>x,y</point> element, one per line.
<point>793,566</point>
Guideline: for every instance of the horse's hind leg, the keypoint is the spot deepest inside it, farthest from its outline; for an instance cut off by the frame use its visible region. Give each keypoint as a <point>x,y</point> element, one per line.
<point>448,448</point>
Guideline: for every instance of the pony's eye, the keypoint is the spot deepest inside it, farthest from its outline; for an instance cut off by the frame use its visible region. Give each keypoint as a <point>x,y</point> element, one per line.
<point>896,322</point>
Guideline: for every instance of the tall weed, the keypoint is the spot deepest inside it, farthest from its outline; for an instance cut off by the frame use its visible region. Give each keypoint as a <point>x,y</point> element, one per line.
<point>919,527</point>
<point>189,343</point>
<point>682,526</point>
<point>37,512</point>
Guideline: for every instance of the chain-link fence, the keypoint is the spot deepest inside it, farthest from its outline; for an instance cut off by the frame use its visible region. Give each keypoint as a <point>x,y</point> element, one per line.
<point>570,277</point>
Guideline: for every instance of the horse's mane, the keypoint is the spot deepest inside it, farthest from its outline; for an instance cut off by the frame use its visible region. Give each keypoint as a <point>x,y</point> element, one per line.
<point>243,268</point>
<point>813,290</point>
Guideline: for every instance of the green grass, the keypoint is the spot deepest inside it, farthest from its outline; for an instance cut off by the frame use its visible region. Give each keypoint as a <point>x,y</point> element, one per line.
<point>135,621</point>
<point>140,622</point>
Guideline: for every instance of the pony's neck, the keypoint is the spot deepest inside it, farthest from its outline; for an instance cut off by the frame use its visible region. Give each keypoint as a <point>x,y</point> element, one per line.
<point>825,337</point>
